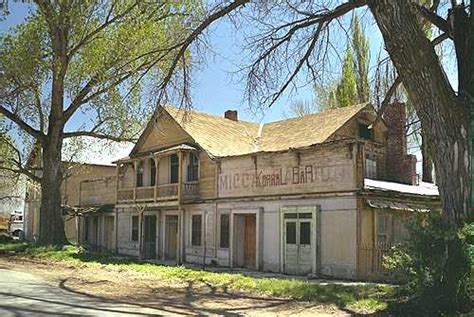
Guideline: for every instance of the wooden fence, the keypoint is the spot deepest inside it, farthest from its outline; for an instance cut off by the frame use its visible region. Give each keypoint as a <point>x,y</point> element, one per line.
<point>371,260</point>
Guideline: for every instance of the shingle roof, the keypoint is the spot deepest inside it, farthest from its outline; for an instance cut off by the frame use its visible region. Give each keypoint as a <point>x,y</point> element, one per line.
<point>222,137</point>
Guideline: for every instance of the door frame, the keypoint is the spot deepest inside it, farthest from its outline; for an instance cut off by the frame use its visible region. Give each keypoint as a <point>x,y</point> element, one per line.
<point>163,233</point>
<point>145,215</point>
<point>315,233</point>
<point>258,212</point>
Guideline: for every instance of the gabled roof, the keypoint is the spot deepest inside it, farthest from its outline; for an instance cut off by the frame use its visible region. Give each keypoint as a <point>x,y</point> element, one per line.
<point>306,130</point>
<point>216,135</point>
<point>221,137</point>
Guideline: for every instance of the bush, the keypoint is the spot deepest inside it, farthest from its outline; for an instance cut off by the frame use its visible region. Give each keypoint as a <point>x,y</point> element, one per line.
<point>435,262</point>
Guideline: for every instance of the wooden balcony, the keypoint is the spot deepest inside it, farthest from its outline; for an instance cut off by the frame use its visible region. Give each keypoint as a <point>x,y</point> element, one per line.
<point>190,190</point>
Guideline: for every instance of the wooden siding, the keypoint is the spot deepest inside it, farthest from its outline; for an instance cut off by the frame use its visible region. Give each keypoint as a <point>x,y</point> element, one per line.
<point>165,133</point>
<point>325,169</point>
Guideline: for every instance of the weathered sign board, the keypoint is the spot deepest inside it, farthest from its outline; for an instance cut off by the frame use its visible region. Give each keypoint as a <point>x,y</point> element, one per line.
<point>283,174</point>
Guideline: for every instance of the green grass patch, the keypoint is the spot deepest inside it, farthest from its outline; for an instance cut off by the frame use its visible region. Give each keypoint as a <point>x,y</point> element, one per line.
<point>355,297</point>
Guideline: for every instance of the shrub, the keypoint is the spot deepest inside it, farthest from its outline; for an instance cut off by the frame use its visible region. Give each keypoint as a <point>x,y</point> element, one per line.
<point>435,262</point>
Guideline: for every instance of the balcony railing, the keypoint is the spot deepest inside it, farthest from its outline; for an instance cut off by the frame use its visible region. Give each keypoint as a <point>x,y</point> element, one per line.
<point>190,190</point>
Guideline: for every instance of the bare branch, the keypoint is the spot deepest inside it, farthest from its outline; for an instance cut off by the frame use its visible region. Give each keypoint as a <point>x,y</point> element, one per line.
<point>193,36</point>
<point>98,136</point>
<point>435,19</point>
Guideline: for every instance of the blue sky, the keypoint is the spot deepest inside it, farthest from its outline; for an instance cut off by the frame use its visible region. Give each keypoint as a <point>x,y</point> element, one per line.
<point>215,88</point>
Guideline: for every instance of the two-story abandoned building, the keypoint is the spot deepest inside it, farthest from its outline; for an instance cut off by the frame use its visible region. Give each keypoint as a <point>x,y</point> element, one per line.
<point>324,194</point>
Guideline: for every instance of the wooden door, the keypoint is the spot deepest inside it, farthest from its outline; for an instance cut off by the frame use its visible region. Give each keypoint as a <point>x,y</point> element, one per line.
<point>150,237</point>
<point>171,237</point>
<point>291,246</point>
<point>250,241</point>
<point>109,233</point>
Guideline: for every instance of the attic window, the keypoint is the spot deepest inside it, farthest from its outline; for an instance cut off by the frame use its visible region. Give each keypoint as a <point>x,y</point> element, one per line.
<point>365,132</point>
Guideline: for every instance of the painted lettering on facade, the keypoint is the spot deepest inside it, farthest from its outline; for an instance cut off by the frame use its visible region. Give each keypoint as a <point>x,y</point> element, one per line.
<point>284,176</point>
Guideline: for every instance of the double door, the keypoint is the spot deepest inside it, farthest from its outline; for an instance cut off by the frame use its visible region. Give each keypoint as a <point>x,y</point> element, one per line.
<point>298,241</point>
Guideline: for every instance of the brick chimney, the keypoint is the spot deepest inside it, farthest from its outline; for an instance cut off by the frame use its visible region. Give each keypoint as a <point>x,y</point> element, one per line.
<point>401,167</point>
<point>231,115</point>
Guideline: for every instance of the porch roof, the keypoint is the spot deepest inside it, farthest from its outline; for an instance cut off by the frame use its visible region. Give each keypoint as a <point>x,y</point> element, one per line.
<point>180,147</point>
<point>395,205</point>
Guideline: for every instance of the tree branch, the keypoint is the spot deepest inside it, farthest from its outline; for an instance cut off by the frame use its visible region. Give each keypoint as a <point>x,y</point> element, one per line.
<point>98,136</point>
<point>38,135</point>
<point>193,36</point>
<point>435,19</point>
<point>107,22</point>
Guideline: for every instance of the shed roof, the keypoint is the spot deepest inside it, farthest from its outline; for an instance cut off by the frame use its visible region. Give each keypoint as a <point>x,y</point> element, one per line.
<point>222,137</point>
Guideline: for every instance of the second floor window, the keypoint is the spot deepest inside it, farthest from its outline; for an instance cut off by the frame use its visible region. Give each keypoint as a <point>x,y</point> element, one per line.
<point>139,173</point>
<point>193,168</point>
<point>370,168</point>
<point>152,172</point>
<point>174,166</point>
<point>365,132</point>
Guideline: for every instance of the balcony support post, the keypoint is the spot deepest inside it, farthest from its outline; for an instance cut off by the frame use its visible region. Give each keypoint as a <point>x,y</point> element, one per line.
<point>157,167</point>
<point>117,168</point>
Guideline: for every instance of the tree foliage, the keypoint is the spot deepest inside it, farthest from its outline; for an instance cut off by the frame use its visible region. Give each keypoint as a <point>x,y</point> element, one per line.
<point>346,90</point>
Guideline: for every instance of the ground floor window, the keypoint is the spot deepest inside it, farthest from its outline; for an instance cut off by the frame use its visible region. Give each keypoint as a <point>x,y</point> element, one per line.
<point>86,229</point>
<point>382,232</point>
<point>196,230</point>
<point>224,231</point>
<point>134,228</point>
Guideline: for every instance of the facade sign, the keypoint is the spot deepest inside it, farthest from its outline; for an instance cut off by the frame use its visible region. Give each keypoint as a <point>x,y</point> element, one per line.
<point>270,180</point>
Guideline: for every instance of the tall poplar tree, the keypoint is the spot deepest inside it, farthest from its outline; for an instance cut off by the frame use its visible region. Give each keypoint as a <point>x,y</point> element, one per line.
<point>346,90</point>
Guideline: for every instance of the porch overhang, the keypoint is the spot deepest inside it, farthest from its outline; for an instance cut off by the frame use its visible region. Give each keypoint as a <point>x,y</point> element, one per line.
<point>395,206</point>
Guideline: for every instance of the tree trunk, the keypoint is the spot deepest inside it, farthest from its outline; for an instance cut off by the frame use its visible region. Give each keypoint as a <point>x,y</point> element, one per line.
<point>445,117</point>
<point>427,168</point>
<point>51,229</point>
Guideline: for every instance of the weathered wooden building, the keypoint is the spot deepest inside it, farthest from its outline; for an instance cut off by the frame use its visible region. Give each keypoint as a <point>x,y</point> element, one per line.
<point>324,194</point>
<point>88,184</point>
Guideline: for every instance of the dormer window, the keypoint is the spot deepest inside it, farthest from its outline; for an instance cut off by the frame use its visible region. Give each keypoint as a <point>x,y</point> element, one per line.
<point>193,167</point>
<point>365,131</point>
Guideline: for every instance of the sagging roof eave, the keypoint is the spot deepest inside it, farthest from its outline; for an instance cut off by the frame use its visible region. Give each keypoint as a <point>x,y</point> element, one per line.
<point>372,192</point>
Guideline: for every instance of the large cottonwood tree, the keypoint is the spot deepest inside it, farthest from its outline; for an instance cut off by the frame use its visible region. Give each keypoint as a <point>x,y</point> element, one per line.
<point>78,68</point>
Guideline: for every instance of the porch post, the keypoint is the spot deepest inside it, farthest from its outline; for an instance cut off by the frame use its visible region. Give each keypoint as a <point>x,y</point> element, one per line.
<point>231,239</point>
<point>135,167</point>
<point>117,173</point>
<point>180,210</point>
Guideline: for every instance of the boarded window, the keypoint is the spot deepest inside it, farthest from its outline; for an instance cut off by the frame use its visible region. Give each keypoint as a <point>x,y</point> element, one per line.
<point>152,172</point>
<point>134,228</point>
<point>305,233</point>
<point>193,166</point>
<point>224,238</point>
<point>196,230</point>
<point>139,173</point>
<point>291,233</point>
<point>174,167</point>
<point>370,168</point>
